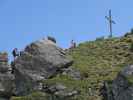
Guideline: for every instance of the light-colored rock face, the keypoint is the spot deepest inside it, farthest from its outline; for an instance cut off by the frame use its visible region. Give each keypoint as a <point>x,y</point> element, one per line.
<point>121,88</point>
<point>46,51</point>
<point>46,41</point>
<point>40,60</point>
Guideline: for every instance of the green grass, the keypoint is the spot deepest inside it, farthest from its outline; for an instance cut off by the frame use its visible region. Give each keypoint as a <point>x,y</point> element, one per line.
<point>80,85</point>
<point>33,96</point>
<point>130,79</point>
<point>102,60</point>
<point>98,61</point>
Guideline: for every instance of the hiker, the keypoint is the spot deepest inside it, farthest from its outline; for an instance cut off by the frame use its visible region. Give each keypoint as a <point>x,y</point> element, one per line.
<point>73,44</point>
<point>22,52</point>
<point>15,53</point>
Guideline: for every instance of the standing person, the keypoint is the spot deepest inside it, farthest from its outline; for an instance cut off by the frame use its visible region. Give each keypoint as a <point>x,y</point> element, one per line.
<point>15,53</point>
<point>73,44</point>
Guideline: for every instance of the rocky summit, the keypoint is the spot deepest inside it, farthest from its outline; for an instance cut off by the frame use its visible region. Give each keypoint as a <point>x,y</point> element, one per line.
<point>41,60</point>
<point>94,70</point>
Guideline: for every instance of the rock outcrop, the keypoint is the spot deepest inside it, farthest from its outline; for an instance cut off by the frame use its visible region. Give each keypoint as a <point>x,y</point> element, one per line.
<point>122,86</point>
<point>60,91</point>
<point>7,85</point>
<point>41,60</point>
<point>75,74</point>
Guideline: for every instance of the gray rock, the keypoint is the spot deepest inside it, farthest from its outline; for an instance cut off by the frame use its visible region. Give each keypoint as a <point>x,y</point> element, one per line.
<point>41,60</point>
<point>4,68</point>
<point>66,94</point>
<point>2,98</point>
<point>60,91</point>
<point>121,88</point>
<point>75,74</point>
<point>54,88</point>
<point>7,85</point>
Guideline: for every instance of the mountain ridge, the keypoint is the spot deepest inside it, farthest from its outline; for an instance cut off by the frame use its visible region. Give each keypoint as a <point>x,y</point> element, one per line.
<point>91,71</point>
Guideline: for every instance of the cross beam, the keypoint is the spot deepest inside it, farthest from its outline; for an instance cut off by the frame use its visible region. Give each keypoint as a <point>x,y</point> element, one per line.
<point>109,18</point>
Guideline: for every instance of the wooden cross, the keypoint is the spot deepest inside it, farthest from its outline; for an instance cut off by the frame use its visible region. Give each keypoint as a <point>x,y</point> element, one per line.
<point>109,18</point>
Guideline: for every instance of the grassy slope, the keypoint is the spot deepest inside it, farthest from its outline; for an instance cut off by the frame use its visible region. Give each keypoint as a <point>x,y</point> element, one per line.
<point>102,60</point>
<point>97,61</point>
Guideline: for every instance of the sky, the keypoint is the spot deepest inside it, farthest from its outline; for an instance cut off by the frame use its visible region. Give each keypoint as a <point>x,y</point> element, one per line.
<point>24,21</point>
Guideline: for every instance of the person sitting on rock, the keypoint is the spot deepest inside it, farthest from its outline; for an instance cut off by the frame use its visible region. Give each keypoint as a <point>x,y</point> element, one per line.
<point>51,39</point>
<point>15,53</point>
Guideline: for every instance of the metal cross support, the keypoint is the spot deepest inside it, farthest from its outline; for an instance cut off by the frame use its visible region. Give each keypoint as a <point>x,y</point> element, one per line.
<point>109,18</point>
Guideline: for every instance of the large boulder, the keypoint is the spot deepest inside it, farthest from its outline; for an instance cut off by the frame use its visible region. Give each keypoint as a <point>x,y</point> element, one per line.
<point>122,87</point>
<point>7,85</point>
<point>39,61</point>
<point>4,68</point>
